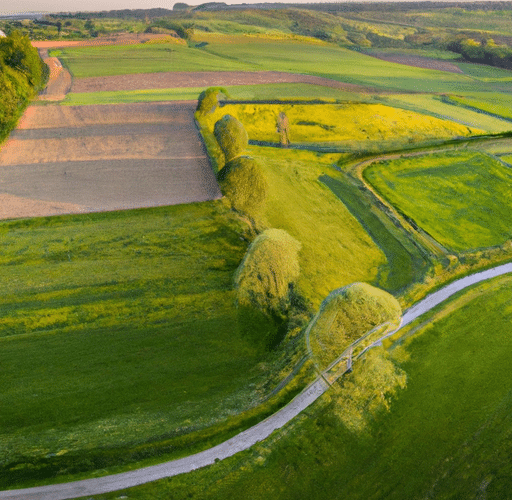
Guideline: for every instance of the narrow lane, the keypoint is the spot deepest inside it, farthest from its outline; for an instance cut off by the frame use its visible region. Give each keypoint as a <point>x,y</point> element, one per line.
<point>245,439</point>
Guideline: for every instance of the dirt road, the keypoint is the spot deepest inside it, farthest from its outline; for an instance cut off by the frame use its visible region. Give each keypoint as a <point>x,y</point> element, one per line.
<point>241,441</point>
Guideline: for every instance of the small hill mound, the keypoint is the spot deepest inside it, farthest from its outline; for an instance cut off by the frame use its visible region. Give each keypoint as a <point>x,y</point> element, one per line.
<point>347,314</point>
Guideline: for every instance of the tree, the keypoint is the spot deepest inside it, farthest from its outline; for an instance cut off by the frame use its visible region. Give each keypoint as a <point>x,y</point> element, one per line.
<point>231,136</point>
<point>264,282</point>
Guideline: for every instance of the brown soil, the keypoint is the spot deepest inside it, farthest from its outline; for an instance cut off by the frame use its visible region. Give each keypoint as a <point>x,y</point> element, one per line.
<point>64,159</point>
<point>59,81</point>
<point>202,79</point>
<point>419,62</point>
<point>16,207</point>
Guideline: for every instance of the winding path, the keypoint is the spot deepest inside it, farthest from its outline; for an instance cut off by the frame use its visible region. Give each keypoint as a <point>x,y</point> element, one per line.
<point>245,439</point>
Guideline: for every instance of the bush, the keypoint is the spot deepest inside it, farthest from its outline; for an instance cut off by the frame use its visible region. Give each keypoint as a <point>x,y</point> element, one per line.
<point>263,282</point>
<point>243,183</point>
<point>208,99</point>
<point>269,267</point>
<point>369,390</point>
<point>346,315</point>
<point>231,136</point>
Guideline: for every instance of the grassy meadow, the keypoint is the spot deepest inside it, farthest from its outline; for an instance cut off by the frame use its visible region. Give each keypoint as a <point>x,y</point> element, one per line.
<point>446,434</point>
<point>461,199</point>
<point>119,337</point>
<point>333,241</point>
<point>241,92</point>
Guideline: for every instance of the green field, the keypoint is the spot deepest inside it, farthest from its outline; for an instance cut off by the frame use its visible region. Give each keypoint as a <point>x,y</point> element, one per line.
<point>257,92</point>
<point>496,104</point>
<point>461,199</point>
<point>447,108</point>
<point>119,332</point>
<point>120,337</point>
<point>447,434</point>
<point>253,53</point>
<point>405,263</point>
<point>144,58</point>
<point>336,250</point>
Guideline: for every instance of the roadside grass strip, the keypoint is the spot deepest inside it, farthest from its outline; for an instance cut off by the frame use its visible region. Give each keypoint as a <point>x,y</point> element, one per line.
<point>461,199</point>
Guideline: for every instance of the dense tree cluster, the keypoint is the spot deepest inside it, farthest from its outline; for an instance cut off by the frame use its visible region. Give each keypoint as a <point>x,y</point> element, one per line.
<point>484,52</point>
<point>22,75</point>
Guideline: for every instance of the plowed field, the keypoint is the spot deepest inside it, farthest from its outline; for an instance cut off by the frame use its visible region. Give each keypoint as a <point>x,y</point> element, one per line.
<point>95,158</point>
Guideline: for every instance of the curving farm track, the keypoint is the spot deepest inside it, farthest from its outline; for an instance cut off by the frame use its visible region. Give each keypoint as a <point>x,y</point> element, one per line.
<point>243,440</point>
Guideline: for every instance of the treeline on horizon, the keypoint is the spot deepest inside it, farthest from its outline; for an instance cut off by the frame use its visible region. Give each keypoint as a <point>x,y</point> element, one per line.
<point>22,75</point>
<point>326,7</point>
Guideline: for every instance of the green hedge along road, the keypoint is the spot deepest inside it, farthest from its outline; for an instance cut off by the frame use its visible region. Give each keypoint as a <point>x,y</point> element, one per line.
<point>245,439</point>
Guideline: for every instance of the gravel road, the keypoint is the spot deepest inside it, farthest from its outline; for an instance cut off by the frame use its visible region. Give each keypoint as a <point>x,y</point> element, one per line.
<point>241,441</point>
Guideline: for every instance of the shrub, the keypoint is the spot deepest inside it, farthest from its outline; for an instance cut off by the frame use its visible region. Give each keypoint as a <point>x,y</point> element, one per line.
<point>369,390</point>
<point>208,99</point>
<point>347,314</point>
<point>243,183</point>
<point>263,283</point>
<point>231,136</point>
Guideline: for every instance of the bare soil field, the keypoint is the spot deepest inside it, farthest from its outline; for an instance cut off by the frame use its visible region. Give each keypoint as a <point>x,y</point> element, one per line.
<point>177,79</point>
<point>418,62</point>
<point>98,158</point>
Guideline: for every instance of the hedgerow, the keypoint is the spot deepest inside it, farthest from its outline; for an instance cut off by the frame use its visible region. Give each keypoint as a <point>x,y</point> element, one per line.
<point>346,315</point>
<point>22,75</point>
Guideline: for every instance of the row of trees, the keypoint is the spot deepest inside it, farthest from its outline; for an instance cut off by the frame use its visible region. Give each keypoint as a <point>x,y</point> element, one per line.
<point>265,280</point>
<point>484,52</point>
<point>22,75</point>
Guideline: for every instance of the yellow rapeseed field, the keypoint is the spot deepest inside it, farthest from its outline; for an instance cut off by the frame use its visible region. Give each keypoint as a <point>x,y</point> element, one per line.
<point>339,122</point>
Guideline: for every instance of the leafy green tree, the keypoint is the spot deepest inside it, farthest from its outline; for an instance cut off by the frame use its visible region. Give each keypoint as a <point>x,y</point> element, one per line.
<point>231,136</point>
<point>264,282</point>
